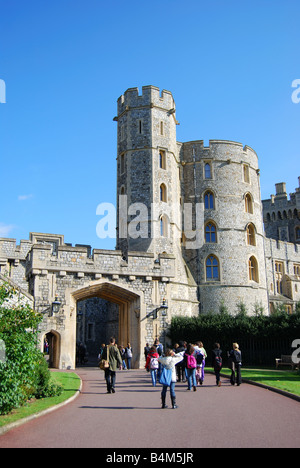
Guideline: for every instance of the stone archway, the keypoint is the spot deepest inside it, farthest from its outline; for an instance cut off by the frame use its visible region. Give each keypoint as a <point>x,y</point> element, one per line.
<point>53,355</point>
<point>129,303</point>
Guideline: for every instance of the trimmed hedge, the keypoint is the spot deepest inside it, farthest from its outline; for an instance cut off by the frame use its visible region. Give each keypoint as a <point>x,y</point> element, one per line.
<point>261,338</point>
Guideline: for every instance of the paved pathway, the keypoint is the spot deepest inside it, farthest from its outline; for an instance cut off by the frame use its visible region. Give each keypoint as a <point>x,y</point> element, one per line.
<point>245,416</point>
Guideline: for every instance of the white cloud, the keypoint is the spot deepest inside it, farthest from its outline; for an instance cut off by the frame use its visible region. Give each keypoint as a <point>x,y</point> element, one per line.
<point>5,229</point>
<point>25,197</point>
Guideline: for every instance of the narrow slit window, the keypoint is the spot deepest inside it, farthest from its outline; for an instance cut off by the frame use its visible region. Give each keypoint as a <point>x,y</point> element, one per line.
<point>161,128</point>
<point>207,171</point>
<point>162,159</point>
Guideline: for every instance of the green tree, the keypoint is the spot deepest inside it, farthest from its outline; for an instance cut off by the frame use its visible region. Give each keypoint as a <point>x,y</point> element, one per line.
<point>22,372</point>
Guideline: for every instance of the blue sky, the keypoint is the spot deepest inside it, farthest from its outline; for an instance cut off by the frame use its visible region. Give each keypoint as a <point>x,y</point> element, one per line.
<point>229,64</point>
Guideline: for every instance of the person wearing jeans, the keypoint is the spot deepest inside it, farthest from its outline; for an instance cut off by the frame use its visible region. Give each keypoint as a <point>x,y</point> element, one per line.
<point>152,364</point>
<point>190,371</point>
<point>169,361</point>
<point>191,379</point>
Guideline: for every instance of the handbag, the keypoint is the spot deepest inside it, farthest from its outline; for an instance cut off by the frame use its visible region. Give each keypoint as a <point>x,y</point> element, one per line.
<point>165,376</point>
<point>104,363</point>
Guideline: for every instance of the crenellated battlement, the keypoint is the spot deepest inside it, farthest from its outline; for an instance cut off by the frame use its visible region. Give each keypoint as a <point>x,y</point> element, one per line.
<point>150,96</point>
<point>230,151</point>
<point>9,250</point>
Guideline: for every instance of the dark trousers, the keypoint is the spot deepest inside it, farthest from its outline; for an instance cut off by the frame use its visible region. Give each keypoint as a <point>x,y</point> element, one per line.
<point>236,375</point>
<point>217,373</point>
<point>110,377</point>
<point>180,370</point>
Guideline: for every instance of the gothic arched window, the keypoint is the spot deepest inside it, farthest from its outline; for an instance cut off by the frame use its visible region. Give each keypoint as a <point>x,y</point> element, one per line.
<point>251,234</point>
<point>210,232</point>
<point>163,193</point>
<point>248,203</point>
<point>212,268</point>
<point>253,269</point>
<point>209,200</point>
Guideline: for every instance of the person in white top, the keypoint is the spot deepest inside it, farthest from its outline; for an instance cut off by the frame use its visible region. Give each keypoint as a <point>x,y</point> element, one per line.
<point>169,361</point>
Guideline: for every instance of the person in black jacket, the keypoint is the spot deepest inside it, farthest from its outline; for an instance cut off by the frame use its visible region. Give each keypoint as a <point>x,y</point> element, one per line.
<point>180,367</point>
<point>216,361</point>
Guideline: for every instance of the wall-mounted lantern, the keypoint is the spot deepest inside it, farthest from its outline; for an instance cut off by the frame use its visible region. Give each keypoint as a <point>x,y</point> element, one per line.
<point>163,307</point>
<point>56,305</point>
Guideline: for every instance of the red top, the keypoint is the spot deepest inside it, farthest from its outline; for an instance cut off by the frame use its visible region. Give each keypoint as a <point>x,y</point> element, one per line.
<point>150,355</point>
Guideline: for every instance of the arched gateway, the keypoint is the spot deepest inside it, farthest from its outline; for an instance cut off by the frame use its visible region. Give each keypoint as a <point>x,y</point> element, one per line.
<point>129,306</point>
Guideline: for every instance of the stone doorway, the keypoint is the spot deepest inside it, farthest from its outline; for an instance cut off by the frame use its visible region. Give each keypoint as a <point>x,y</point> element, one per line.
<point>52,348</point>
<point>104,310</point>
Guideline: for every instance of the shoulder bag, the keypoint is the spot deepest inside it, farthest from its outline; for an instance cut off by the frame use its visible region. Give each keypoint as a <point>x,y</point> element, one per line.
<point>104,363</point>
<point>165,376</point>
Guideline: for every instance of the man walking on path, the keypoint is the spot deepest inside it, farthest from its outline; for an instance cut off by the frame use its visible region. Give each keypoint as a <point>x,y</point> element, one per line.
<point>112,355</point>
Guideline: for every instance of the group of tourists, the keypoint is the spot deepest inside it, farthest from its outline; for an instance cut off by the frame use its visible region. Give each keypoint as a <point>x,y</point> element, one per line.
<point>185,362</point>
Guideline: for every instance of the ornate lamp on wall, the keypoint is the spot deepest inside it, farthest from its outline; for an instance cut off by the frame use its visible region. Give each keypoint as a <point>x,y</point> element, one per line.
<point>55,306</point>
<point>163,307</point>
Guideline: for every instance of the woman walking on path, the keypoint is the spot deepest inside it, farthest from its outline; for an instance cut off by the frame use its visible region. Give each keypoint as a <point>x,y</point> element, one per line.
<point>216,362</point>
<point>169,361</point>
<point>152,364</point>
<point>200,345</point>
<point>190,367</point>
<point>200,358</point>
<point>235,356</point>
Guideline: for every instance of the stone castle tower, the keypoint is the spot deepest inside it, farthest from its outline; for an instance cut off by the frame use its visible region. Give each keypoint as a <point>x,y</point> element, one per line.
<point>201,204</point>
<point>148,183</point>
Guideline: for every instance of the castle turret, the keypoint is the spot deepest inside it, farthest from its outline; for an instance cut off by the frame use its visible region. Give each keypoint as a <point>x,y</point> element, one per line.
<point>148,179</point>
<point>229,264</point>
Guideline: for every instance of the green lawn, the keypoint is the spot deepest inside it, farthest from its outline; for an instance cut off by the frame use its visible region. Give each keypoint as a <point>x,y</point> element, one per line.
<point>70,383</point>
<point>286,380</point>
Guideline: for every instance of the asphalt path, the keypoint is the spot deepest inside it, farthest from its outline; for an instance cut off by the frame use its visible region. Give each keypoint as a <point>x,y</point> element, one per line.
<point>212,417</point>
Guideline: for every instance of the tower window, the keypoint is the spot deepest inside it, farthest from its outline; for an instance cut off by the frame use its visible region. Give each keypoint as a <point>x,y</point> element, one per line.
<point>162,159</point>
<point>279,276</point>
<point>251,234</point>
<point>161,127</point>
<point>163,226</point>
<point>210,233</point>
<point>246,173</point>
<point>163,193</point>
<point>209,200</point>
<point>140,126</point>
<point>207,171</point>
<point>248,203</point>
<point>253,269</point>
<point>212,269</point>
